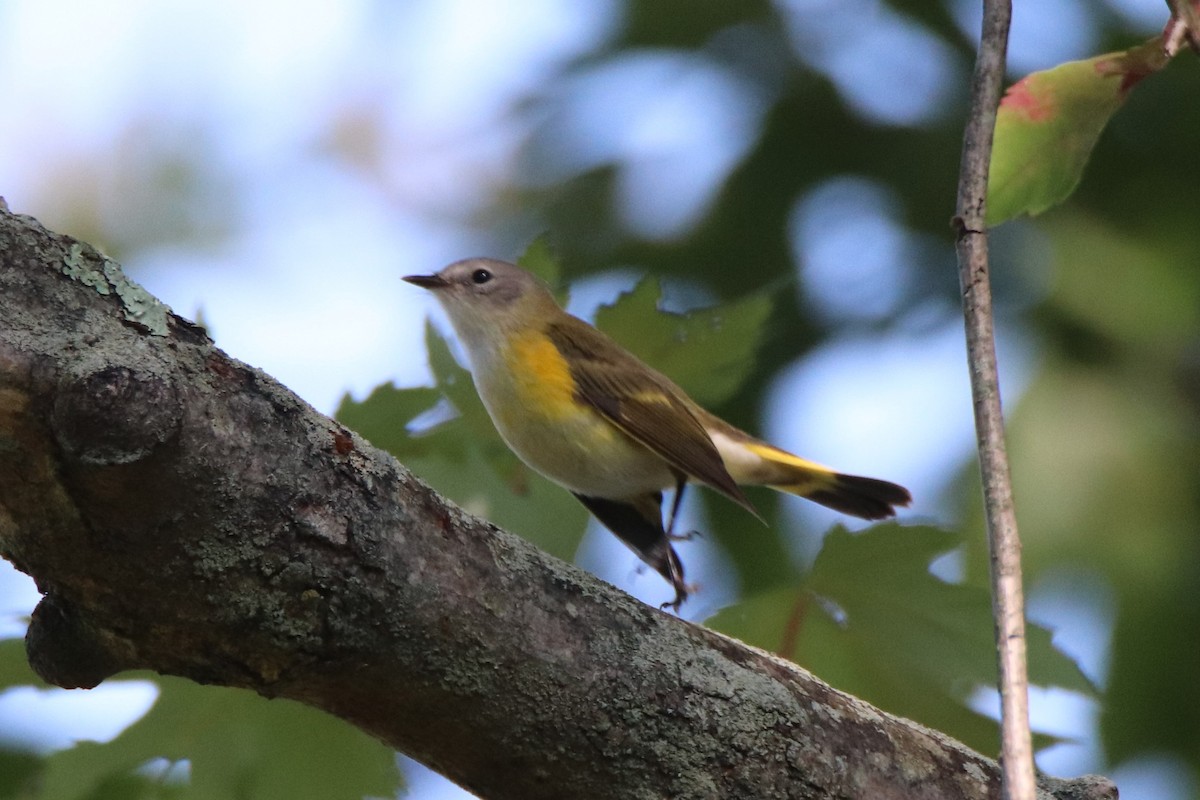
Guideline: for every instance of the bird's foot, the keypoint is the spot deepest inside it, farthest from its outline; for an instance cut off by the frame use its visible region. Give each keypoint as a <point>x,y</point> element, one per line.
<point>685,537</point>
<point>682,592</point>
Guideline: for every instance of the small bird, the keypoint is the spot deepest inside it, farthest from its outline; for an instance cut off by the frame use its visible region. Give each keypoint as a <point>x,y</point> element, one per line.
<point>589,415</point>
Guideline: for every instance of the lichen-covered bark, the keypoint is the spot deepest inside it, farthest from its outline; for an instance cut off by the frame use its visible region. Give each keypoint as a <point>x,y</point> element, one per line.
<point>183,512</point>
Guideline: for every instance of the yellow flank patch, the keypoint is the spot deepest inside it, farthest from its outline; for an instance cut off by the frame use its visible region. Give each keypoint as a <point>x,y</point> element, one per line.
<point>541,375</point>
<point>784,457</point>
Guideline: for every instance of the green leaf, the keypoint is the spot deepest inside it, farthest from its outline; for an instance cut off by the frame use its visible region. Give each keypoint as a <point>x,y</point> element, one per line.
<point>135,786</point>
<point>19,773</point>
<point>237,745</point>
<point>708,352</point>
<point>384,416</point>
<point>1144,299</point>
<point>539,259</point>
<point>1048,123</point>
<point>522,502</point>
<point>881,580</point>
<point>873,621</point>
<point>14,666</point>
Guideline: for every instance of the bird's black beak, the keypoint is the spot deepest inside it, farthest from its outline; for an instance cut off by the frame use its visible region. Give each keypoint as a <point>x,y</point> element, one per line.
<point>427,281</point>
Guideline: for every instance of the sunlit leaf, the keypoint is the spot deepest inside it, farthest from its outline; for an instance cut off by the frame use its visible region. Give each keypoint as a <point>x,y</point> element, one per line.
<point>1049,122</point>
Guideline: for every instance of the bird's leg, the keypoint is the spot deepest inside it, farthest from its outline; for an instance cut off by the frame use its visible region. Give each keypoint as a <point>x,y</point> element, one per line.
<point>638,523</point>
<point>675,576</point>
<point>680,487</point>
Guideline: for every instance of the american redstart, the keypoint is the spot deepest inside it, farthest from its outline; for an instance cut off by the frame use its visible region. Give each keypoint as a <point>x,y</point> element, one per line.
<point>587,414</point>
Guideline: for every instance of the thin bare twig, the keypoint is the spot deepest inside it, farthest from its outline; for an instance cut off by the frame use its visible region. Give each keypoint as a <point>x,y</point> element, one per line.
<point>1003,540</point>
<point>1184,26</point>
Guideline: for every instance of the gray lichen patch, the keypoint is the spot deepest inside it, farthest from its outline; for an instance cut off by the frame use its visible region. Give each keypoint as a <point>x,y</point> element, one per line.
<point>79,268</point>
<point>85,265</point>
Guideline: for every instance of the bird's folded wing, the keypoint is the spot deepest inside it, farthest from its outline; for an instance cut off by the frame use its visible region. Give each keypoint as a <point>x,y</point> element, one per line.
<point>644,404</point>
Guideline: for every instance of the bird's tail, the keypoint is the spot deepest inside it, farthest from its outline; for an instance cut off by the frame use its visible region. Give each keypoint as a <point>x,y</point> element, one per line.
<point>868,498</point>
<point>754,462</point>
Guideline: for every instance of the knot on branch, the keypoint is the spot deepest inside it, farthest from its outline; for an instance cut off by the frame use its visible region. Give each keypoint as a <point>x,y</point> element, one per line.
<point>115,415</point>
<point>64,650</point>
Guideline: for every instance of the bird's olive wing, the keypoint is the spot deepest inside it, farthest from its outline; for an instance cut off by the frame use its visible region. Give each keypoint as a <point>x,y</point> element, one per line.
<point>642,403</point>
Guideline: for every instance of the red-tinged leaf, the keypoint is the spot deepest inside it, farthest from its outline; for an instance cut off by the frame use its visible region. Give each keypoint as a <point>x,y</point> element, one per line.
<point>1049,122</point>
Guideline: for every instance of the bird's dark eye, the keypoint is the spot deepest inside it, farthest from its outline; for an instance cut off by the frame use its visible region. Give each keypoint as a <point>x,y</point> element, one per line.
<point>481,276</point>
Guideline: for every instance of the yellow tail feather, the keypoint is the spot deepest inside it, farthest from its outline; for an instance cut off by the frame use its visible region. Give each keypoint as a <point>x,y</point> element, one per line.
<point>868,498</point>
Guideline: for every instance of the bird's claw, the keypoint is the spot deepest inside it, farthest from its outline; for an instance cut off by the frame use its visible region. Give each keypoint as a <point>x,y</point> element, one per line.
<point>685,537</point>
<point>682,592</point>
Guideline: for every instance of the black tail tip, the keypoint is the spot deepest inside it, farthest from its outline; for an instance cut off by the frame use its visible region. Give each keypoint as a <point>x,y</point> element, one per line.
<point>866,498</point>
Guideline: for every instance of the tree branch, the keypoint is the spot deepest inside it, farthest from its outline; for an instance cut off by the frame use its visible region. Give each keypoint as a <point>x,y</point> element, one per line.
<point>182,512</point>
<point>1004,543</point>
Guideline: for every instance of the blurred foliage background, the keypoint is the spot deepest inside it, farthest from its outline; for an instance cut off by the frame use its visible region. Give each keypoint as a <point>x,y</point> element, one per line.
<point>789,166</point>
